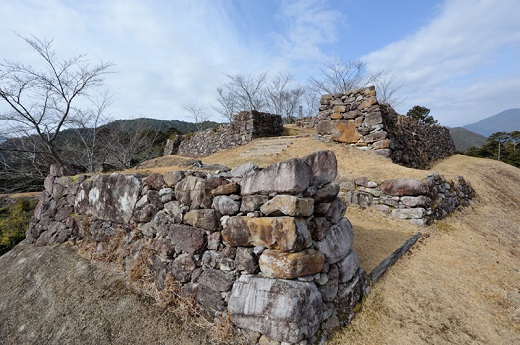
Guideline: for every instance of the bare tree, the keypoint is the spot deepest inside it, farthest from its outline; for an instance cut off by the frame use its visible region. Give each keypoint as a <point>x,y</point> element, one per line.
<point>42,101</point>
<point>198,113</point>
<point>338,76</point>
<point>228,101</point>
<point>312,102</point>
<point>87,124</point>
<point>247,90</point>
<point>386,88</point>
<point>281,99</point>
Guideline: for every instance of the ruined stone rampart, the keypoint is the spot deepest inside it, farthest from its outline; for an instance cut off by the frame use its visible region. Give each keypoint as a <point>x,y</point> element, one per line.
<point>419,201</point>
<point>270,248</point>
<point>246,126</point>
<point>356,118</point>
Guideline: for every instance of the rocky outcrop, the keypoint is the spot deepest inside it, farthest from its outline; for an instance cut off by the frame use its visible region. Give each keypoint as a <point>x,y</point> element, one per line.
<point>272,248</point>
<point>246,126</point>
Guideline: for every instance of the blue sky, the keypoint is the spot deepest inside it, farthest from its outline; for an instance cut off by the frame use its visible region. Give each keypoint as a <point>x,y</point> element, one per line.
<point>460,58</point>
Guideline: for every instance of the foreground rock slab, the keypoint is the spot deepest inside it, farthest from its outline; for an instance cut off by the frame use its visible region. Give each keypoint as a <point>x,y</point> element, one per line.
<point>284,310</point>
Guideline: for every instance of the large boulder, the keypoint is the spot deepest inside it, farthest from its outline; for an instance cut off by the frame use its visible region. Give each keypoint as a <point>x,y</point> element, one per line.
<point>289,177</point>
<point>284,310</point>
<point>109,197</point>
<point>282,233</point>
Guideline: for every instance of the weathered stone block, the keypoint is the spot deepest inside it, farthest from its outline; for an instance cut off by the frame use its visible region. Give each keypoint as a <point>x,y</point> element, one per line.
<point>346,132</point>
<point>246,260</point>
<point>109,197</point>
<point>338,242</point>
<point>194,192</point>
<point>225,205</point>
<point>284,310</point>
<point>187,238</point>
<point>374,118</point>
<point>288,205</point>
<point>400,187</point>
<point>216,279</point>
<point>409,213</point>
<point>370,101</point>
<point>414,201</point>
<point>324,167</point>
<point>154,181</point>
<point>319,227</point>
<point>336,210</point>
<point>327,193</point>
<point>205,218</point>
<point>226,189</point>
<point>289,177</point>
<point>278,264</point>
<point>251,203</point>
<point>171,178</point>
<point>282,233</point>
<point>348,266</point>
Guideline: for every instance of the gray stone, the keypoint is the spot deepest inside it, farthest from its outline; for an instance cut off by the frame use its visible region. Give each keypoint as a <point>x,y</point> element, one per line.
<point>109,197</point>
<point>283,310</point>
<point>414,201</point>
<point>243,170</point>
<point>324,167</point>
<point>145,214</point>
<point>329,290</point>
<point>338,242</point>
<point>48,183</point>
<point>194,192</point>
<point>251,203</point>
<point>175,210</point>
<point>348,266</point>
<point>171,178</point>
<point>408,213</point>
<point>63,213</point>
<point>246,260</point>
<point>289,177</point>
<point>159,225</point>
<point>362,199</point>
<point>327,193</point>
<point>163,247</point>
<point>216,279</point>
<point>336,210</point>
<point>288,205</point>
<point>319,227</point>
<point>187,238</point>
<point>225,205</point>
<point>374,118</point>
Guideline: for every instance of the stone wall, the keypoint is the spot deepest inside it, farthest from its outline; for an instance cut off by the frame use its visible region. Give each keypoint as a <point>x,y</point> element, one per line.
<point>419,201</point>
<point>356,118</point>
<point>270,248</point>
<point>246,126</point>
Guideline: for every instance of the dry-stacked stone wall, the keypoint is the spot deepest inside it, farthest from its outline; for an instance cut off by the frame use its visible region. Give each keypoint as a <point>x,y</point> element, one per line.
<point>270,248</point>
<point>246,126</point>
<point>419,201</point>
<point>356,118</point>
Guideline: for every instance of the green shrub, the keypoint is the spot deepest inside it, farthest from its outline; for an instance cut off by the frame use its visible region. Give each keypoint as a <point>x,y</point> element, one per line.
<point>14,220</point>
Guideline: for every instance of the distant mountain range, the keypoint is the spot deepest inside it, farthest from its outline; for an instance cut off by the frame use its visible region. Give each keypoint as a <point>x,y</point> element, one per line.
<point>465,139</point>
<point>506,121</point>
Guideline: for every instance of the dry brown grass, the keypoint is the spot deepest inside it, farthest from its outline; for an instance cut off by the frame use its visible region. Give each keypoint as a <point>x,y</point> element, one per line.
<point>458,285</point>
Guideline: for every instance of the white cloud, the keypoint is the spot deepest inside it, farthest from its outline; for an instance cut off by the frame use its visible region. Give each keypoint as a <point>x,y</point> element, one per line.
<point>455,59</point>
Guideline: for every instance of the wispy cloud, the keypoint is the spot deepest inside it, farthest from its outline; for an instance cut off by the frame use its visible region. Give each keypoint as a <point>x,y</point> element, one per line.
<point>455,56</point>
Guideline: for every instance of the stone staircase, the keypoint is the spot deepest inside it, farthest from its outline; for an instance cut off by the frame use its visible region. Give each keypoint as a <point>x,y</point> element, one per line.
<point>269,146</point>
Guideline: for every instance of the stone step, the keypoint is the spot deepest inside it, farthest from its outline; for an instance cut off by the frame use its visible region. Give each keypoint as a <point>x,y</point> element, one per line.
<point>258,154</point>
<point>270,147</point>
